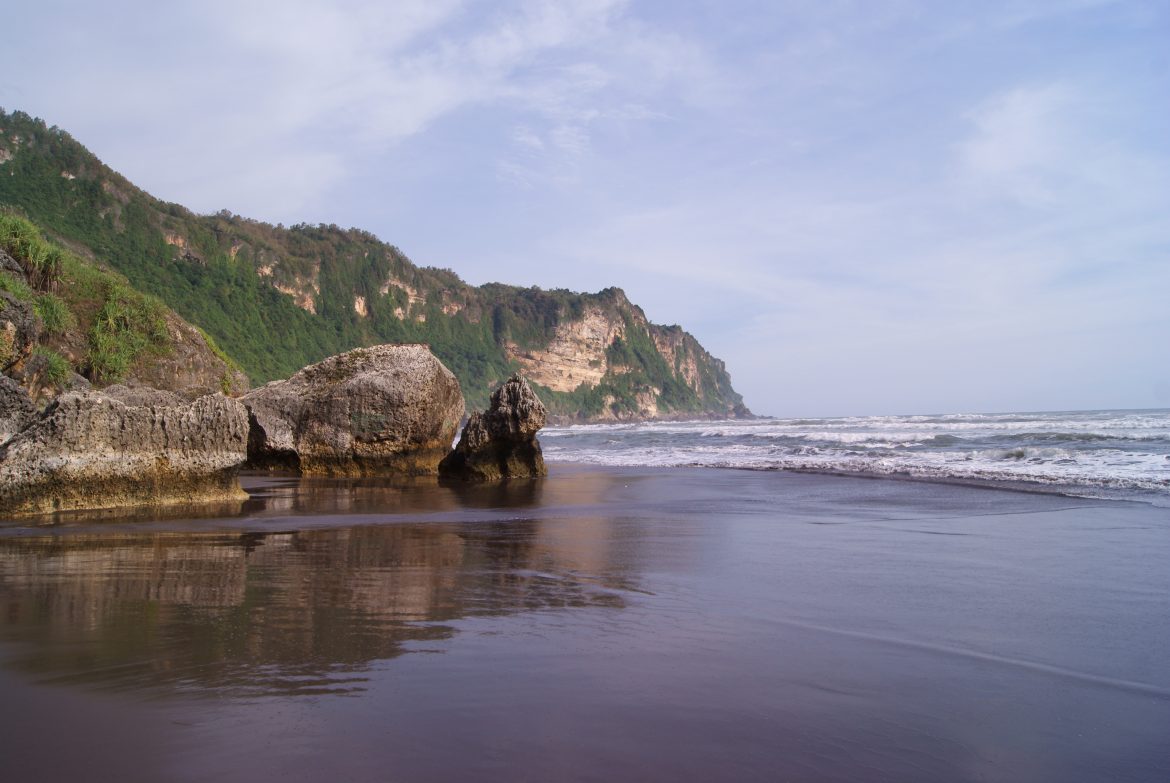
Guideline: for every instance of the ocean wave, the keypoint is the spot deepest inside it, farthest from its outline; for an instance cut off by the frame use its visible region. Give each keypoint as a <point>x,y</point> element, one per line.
<point>1087,436</point>
<point>1001,466</point>
<point>1113,449</point>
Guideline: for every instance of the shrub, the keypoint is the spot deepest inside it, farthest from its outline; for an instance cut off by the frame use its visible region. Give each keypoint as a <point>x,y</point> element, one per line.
<point>57,367</point>
<point>55,315</point>
<point>23,241</point>
<point>127,325</point>
<point>15,286</point>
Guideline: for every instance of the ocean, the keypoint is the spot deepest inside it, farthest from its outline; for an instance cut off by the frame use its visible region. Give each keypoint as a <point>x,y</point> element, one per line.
<point>1108,453</point>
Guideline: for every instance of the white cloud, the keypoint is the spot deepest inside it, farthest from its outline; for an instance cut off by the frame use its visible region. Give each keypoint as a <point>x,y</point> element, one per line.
<point>525,137</point>
<point>1019,144</point>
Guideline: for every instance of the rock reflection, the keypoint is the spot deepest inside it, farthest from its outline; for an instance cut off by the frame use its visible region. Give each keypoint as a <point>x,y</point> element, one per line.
<point>258,613</point>
<point>424,494</point>
<point>276,494</point>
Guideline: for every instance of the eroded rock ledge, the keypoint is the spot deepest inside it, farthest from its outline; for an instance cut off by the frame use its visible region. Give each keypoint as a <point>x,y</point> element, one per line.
<point>92,450</point>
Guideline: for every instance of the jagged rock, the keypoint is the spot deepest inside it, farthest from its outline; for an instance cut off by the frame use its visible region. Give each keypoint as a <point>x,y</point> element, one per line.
<point>10,264</point>
<point>19,329</point>
<point>143,396</point>
<point>389,409</point>
<point>35,375</point>
<point>89,450</point>
<point>501,443</point>
<point>16,409</point>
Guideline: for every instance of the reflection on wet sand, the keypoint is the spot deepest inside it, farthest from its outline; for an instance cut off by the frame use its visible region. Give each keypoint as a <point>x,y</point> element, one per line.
<point>280,612</point>
<point>420,495</point>
<point>276,494</point>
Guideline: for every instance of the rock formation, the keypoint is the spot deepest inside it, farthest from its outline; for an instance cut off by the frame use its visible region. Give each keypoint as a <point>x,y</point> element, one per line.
<point>189,366</point>
<point>576,354</point>
<point>501,443</point>
<point>91,450</point>
<point>35,375</point>
<point>16,409</point>
<point>389,409</point>
<point>19,330</point>
<point>10,264</point>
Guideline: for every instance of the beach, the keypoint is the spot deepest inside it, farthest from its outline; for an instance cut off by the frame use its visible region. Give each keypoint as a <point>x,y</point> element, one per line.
<point>605,623</point>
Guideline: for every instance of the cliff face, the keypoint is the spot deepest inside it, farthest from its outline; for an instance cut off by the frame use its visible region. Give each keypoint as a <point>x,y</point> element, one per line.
<point>575,355</point>
<point>277,299</point>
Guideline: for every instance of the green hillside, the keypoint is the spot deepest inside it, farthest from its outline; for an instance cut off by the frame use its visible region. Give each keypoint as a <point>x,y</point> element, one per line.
<point>277,298</point>
<point>63,317</point>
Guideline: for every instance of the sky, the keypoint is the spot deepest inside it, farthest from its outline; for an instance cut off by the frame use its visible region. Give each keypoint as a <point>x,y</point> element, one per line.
<point>863,206</point>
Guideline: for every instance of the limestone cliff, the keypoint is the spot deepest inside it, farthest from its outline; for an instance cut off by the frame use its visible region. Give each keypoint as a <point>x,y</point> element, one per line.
<point>576,354</point>
<point>609,363</point>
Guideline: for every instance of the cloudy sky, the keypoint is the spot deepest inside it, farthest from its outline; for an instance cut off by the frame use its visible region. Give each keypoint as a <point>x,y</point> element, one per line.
<point>863,206</point>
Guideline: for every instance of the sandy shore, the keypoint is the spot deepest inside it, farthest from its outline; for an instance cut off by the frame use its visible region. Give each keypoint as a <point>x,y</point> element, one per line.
<point>683,624</point>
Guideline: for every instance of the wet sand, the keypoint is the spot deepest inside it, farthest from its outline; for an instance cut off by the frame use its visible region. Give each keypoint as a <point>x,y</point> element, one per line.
<point>604,624</point>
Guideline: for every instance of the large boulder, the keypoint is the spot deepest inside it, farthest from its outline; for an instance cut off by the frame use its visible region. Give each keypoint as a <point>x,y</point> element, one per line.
<point>91,450</point>
<point>501,443</point>
<point>389,409</point>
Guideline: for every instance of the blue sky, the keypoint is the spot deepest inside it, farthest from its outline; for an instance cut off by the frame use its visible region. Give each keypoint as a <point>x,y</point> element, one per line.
<point>863,207</point>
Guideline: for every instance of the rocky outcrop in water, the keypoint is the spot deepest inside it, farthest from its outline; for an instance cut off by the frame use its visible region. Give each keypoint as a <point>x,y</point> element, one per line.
<point>94,450</point>
<point>501,443</point>
<point>389,409</point>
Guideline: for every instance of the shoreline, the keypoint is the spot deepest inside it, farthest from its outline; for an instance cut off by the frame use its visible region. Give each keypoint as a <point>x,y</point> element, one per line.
<point>291,500</point>
<point>1155,498</point>
<point>288,502</point>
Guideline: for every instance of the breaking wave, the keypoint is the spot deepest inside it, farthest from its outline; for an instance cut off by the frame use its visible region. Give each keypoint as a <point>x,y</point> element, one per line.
<point>1120,450</point>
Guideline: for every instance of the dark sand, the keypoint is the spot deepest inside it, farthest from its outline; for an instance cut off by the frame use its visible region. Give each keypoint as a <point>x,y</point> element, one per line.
<point>605,625</point>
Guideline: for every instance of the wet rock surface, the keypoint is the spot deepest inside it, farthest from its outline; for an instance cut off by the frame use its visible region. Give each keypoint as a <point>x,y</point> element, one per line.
<point>501,443</point>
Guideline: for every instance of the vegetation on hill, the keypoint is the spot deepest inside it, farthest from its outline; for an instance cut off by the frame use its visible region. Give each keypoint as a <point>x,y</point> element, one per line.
<point>92,321</point>
<point>276,299</point>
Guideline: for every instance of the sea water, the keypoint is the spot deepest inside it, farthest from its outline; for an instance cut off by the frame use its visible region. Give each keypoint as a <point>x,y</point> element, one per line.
<point>1115,453</point>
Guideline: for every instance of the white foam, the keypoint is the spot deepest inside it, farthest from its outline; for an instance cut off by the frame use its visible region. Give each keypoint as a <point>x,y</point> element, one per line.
<point>1118,449</point>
